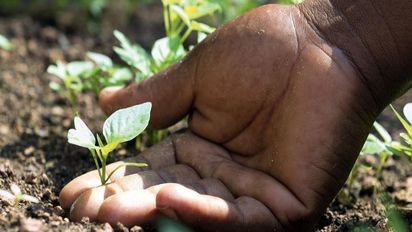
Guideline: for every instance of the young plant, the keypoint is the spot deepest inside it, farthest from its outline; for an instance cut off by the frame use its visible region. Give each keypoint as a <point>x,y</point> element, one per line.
<point>382,146</point>
<point>91,75</point>
<point>5,44</point>
<point>15,195</point>
<point>407,137</point>
<point>181,18</point>
<point>122,126</point>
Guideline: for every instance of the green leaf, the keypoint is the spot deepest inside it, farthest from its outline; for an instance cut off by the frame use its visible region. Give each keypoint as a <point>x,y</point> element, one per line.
<point>55,86</point>
<point>382,132</point>
<point>166,51</point>
<point>133,54</point>
<point>58,70</point>
<point>81,135</point>
<point>373,145</point>
<point>5,44</point>
<point>405,124</point>
<point>102,61</point>
<point>120,76</point>
<point>406,138</point>
<point>79,68</point>
<point>125,124</point>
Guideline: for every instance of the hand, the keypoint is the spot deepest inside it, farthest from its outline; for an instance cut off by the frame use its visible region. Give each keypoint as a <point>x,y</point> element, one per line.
<point>277,118</point>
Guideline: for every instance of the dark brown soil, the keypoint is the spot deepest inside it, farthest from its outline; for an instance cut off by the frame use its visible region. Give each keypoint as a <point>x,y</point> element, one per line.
<point>34,153</point>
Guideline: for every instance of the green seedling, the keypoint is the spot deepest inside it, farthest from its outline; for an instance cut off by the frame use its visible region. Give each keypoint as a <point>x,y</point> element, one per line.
<point>181,18</point>
<point>92,75</point>
<point>122,126</point>
<point>15,195</point>
<point>5,44</point>
<point>407,137</point>
<point>382,145</point>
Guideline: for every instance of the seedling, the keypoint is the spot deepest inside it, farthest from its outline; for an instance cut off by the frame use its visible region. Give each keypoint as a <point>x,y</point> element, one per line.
<point>15,195</point>
<point>93,75</point>
<point>181,19</point>
<point>122,126</point>
<point>407,137</point>
<point>383,146</point>
<point>5,44</point>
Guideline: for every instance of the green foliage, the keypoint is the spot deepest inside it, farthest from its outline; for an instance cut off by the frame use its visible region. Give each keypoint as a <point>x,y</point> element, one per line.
<point>91,75</point>
<point>407,137</point>
<point>5,44</point>
<point>122,126</point>
<point>181,19</point>
<point>382,145</point>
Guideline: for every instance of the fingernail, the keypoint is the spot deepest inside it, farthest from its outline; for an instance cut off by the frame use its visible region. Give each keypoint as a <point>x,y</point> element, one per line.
<point>169,213</point>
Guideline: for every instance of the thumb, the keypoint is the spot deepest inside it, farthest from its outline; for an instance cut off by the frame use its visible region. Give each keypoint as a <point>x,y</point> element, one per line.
<point>170,92</point>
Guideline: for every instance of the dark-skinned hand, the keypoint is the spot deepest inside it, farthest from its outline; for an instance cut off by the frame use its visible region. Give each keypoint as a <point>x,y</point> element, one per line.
<point>277,116</point>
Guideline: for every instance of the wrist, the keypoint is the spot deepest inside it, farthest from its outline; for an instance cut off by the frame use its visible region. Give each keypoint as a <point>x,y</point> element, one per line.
<point>374,35</point>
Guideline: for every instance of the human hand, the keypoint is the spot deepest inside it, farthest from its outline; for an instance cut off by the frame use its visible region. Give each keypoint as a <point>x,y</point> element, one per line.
<point>277,118</point>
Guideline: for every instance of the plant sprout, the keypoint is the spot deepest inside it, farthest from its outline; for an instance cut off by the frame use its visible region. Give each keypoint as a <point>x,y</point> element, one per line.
<point>382,146</point>
<point>15,195</point>
<point>122,126</point>
<point>407,137</point>
<point>5,44</point>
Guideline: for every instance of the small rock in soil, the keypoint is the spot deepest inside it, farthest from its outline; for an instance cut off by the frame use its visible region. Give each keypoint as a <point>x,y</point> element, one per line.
<point>29,150</point>
<point>31,225</point>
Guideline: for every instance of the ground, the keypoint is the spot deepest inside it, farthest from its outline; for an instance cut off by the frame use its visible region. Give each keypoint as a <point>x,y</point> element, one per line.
<point>35,155</point>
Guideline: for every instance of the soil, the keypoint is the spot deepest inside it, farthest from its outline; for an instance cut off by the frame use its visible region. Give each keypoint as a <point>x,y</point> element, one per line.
<point>35,155</point>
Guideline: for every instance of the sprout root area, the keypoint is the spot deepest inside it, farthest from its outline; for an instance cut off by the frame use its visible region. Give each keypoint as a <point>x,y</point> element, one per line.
<point>35,155</point>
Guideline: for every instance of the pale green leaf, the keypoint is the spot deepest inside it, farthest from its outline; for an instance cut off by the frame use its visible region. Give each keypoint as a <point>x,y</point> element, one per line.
<point>5,44</point>
<point>28,198</point>
<point>133,54</point>
<point>78,68</point>
<point>58,70</point>
<point>55,86</point>
<point>6,195</point>
<point>125,124</point>
<point>166,51</point>
<point>373,145</point>
<point>81,135</point>
<point>382,132</point>
<point>405,124</point>
<point>102,61</point>
<point>121,75</point>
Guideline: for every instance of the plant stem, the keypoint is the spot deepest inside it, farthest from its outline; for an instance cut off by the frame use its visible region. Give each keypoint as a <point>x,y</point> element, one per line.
<point>166,19</point>
<point>125,165</point>
<point>96,162</point>
<point>185,35</point>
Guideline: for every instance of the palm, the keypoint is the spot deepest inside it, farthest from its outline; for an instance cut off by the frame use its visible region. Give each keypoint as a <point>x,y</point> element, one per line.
<point>271,135</point>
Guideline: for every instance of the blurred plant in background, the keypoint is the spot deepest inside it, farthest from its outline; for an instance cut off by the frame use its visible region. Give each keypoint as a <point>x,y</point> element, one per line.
<point>5,44</point>
<point>181,19</point>
<point>384,146</point>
